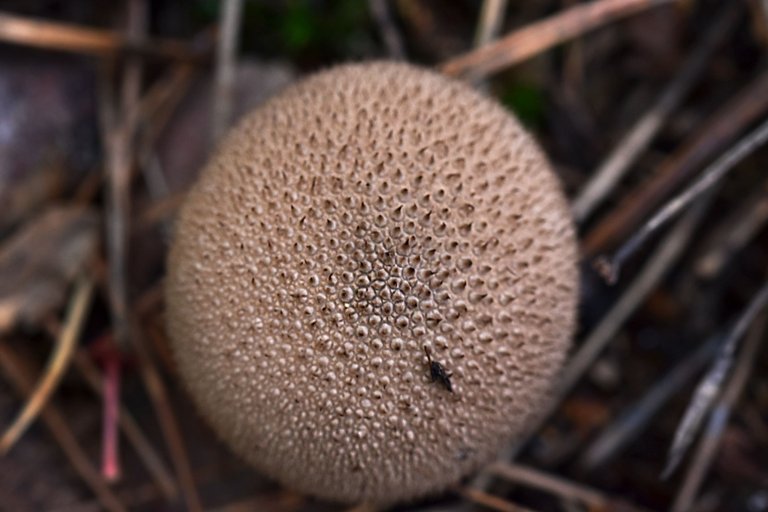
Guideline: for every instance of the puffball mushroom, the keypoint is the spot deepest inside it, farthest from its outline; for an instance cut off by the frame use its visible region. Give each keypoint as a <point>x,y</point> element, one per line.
<point>366,224</point>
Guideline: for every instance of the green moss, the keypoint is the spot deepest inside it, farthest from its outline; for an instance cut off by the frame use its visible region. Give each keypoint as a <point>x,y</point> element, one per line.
<point>306,31</point>
<point>526,101</point>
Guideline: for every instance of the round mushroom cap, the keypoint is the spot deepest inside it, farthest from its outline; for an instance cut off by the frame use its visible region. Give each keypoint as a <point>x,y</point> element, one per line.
<point>373,284</point>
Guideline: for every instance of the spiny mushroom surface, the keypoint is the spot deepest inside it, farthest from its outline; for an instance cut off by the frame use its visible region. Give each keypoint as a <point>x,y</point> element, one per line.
<point>370,222</point>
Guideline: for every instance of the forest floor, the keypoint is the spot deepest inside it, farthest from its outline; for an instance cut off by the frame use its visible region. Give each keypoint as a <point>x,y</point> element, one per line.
<point>649,110</point>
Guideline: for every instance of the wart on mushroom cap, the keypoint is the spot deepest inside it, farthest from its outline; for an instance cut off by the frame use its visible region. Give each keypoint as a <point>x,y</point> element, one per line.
<point>366,215</point>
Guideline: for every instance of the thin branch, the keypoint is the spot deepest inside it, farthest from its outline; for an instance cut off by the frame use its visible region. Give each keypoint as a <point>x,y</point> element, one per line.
<point>711,385</point>
<point>170,428</point>
<point>386,25</point>
<point>488,27</point>
<point>637,416</point>
<point>719,419</point>
<point>711,176</point>
<point>224,80</point>
<point>161,210</point>
<point>610,172</point>
<point>658,264</point>
<point>711,138</point>
<point>119,138</point>
<point>491,18</point>
<point>732,234</point>
<point>57,364</point>
<point>281,502</point>
<point>537,37</point>
<point>564,489</point>
<point>73,38</point>
<point>156,108</point>
<point>362,508</point>
<point>489,501</point>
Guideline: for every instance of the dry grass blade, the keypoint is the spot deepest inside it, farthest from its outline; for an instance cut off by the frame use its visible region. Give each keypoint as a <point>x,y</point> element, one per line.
<point>610,172</point>
<point>537,37</point>
<point>557,486</point>
<point>169,426</point>
<point>711,176</point>
<point>491,17</point>
<point>73,38</point>
<point>719,131</point>
<point>719,418</point>
<point>489,501</point>
<point>221,116</point>
<point>638,415</point>
<point>161,99</point>
<point>386,25</point>
<point>564,489</point>
<point>281,501</point>
<point>734,233</point>
<point>711,385</point>
<point>157,107</point>
<point>161,210</point>
<point>164,95</point>
<point>18,372</point>
<point>362,508</point>
<point>668,252</point>
<point>57,364</point>
<point>118,135</point>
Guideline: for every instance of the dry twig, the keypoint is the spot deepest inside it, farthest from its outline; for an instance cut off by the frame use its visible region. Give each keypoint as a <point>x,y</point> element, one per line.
<point>491,18</point>
<point>709,178</point>
<point>389,33</point>
<point>57,365</point>
<point>719,419</point>
<point>119,137</point>
<point>156,108</point>
<point>565,490</point>
<point>537,37</point>
<point>362,508</point>
<point>636,416</point>
<point>734,233</point>
<point>712,138</point>
<point>221,115</point>
<point>170,428</point>
<point>489,501</point>
<point>710,386</point>
<point>610,172</point>
<point>72,38</point>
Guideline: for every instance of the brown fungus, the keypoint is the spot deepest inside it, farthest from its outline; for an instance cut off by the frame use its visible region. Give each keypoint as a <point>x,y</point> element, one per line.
<point>368,224</point>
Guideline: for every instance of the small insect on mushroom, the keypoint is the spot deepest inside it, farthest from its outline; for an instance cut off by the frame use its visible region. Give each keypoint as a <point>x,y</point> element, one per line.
<point>437,371</point>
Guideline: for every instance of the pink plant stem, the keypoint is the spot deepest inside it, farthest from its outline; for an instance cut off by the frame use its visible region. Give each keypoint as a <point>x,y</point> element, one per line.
<point>110,461</point>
